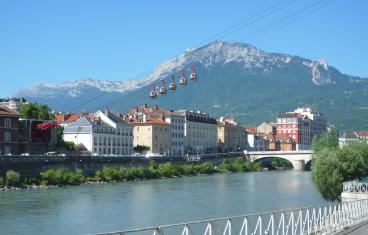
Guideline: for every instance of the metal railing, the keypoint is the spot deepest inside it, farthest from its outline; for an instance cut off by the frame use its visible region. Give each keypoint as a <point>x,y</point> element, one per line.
<point>355,186</point>
<point>313,220</point>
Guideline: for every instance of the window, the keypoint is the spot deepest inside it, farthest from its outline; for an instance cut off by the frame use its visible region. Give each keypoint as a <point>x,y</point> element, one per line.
<point>7,123</point>
<point>7,136</point>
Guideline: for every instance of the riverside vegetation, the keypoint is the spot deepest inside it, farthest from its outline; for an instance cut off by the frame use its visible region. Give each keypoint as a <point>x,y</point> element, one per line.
<point>64,176</point>
<point>332,165</point>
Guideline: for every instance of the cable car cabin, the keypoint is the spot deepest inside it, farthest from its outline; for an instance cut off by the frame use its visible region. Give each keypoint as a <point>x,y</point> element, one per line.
<point>172,86</point>
<point>162,90</point>
<point>183,81</point>
<point>153,95</point>
<point>193,75</point>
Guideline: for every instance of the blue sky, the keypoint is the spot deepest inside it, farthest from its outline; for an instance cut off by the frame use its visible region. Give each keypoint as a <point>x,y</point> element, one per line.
<point>56,41</point>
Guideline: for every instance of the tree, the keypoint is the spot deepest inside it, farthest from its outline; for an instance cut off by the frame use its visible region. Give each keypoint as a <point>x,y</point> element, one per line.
<point>141,148</point>
<point>80,147</point>
<point>332,166</point>
<point>328,140</point>
<point>35,111</point>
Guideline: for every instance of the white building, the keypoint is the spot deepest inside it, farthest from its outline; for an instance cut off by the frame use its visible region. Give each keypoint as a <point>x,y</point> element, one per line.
<point>13,103</point>
<point>101,133</point>
<point>255,142</point>
<point>200,132</point>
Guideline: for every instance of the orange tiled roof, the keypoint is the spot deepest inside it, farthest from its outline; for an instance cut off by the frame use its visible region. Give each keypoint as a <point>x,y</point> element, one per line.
<point>5,111</point>
<point>66,117</point>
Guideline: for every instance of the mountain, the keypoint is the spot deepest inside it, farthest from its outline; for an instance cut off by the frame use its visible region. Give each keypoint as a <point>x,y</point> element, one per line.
<point>234,79</point>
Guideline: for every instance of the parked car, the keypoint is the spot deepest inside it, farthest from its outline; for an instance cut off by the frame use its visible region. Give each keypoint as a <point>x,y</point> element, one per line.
<point>50,154</point>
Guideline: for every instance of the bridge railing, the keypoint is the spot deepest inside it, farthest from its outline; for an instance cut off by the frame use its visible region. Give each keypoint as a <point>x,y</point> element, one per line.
<point>355,186</point>
<point>312,220</point>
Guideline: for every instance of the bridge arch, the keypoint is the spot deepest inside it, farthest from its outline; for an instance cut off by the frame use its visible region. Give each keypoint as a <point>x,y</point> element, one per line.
<point>272,157</point>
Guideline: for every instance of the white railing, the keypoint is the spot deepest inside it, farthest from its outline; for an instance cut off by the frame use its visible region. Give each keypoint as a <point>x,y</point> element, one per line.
<point>314,220</point>
<point>355,186</point>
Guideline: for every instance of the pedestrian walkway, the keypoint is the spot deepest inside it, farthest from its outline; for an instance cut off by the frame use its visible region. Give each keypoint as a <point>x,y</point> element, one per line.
<point>359,229</point>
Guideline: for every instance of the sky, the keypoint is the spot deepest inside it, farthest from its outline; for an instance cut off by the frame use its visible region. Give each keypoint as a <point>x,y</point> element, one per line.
<point>58,41</point>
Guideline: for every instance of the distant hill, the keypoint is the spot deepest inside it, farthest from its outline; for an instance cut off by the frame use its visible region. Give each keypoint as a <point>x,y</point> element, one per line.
<point>234,79</point>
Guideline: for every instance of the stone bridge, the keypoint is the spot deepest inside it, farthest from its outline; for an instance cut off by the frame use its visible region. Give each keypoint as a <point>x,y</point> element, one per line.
<point>300,159</point>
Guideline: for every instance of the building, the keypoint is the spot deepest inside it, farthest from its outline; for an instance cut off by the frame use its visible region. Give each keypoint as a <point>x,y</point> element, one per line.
<point>267,128</point>
<point>200,132</point>
<point>298,127</point>
<point>231,136</point>
<point>9,131</point>
<point>348,138</point>
<point>318,120</point>
<point>13,103</point>
<point>256,142</point>
<point>64,119</point>
<point>272,143</point>
<point>286,142</point>
<point>154,133</point>
<point>176,120</point>
<point>101,133</point>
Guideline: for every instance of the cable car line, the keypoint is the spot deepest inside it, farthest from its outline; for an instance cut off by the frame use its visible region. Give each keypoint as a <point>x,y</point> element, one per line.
<point>261,15</point>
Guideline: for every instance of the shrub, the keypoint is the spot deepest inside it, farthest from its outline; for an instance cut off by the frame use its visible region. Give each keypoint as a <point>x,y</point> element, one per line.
<point>1,182</point>
<point>12,178</point>
<point>62,176</point>
<point>167,170</point>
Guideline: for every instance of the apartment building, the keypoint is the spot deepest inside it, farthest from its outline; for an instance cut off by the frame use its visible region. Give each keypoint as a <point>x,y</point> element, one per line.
<point>101,133</point>
<point>176,120</point>
<point>9,131</point>
<point>297,127</point>
<point>13,103</point>
<point>200,132</point>
<point>231,136</point>
<point>154,133</point>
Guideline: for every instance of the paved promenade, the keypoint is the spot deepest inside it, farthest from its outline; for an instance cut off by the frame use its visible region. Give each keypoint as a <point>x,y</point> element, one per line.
<point>359,229</point>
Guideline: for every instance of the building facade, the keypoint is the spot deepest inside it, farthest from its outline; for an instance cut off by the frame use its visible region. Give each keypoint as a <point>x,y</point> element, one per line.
<point>267,128</point>
<point>318,120</point>
<point>175,119</point>
<point>200,132</point>
<point>154,133</point>
<point>101,133</point>
<point>297,127</point>
<point>231,136</point>
<point>9,131</point>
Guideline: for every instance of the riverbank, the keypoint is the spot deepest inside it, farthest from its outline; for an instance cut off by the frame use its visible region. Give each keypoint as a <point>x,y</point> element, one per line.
<point>63,177</point>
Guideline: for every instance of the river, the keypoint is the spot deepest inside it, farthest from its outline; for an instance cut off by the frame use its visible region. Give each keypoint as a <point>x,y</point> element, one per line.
<point>90,209</point>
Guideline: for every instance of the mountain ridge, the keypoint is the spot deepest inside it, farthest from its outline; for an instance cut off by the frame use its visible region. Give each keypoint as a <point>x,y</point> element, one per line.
<point>233,79</point>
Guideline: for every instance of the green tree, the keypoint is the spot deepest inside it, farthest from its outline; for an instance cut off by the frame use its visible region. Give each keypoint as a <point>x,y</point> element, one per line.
<point>327,173</point>
<point>328,140</point>
<point>140,148</point>
<point>331,166</point>
<point>35,111</point>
